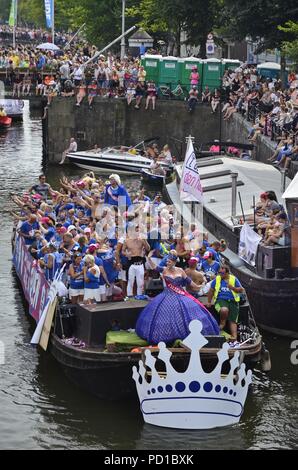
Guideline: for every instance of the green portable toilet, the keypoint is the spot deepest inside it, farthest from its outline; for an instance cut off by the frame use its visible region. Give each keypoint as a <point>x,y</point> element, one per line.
<point>231,64</point>
<point>269,70</point>
<point>185,68</point>
<point>212,73</point>
<point>151,64</point>
<point>169,71</point>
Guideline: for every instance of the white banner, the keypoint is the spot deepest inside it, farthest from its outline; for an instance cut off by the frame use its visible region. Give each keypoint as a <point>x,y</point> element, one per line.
<point>190,186</point>
<point>248,244</point>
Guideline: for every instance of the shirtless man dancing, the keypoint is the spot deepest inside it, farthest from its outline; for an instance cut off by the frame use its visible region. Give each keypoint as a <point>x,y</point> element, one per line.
<point>134,248</point>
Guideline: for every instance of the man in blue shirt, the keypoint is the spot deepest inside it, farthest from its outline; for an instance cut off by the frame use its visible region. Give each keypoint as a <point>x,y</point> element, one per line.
<point>27,229</point>
<point>210,266</point>
<point>224,291</point>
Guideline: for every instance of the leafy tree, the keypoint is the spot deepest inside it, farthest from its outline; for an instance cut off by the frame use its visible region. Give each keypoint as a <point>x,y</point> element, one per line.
<point>31,12</point>
<point>4,9</point>
<point>290,48</point>
<point>258,19</point>
<point>195,18</point>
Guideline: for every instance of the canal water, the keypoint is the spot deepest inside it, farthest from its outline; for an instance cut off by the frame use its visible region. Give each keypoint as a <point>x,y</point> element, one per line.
<point>41,409</point>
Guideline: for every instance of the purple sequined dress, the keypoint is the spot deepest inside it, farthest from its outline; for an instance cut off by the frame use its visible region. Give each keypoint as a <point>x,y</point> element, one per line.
<point>167,316</point>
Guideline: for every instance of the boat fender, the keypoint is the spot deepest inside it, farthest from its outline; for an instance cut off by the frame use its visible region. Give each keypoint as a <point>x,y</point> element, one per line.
<point>265,360</point>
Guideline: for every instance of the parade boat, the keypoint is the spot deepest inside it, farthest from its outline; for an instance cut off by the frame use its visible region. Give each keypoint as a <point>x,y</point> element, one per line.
<point>104,368</point>
<point>122,159</point>
<point>95,356</point>
<point>271,282</point>
<point>13,108</point>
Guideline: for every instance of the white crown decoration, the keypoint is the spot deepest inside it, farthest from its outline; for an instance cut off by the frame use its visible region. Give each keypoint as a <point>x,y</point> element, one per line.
<point>193,399</point>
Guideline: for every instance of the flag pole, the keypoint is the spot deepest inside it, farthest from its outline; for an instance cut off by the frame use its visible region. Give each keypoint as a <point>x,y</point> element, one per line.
<point>75,35</point>
<point>15,12</point>
<point>53,21</point>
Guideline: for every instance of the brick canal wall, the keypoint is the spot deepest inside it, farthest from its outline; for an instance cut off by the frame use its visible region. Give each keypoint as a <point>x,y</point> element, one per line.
<point>112,122</point>
<point>237,129</point>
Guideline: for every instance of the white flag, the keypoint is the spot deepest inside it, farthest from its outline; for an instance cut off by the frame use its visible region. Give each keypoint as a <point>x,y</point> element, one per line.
<point>190,186</point>
<point>248,244</point>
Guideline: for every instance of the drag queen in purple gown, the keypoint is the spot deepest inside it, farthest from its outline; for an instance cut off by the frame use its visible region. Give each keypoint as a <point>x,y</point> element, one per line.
<point>167,316</point>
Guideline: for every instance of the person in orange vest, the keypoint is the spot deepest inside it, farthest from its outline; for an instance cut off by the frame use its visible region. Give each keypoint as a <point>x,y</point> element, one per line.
<point>224,291</point>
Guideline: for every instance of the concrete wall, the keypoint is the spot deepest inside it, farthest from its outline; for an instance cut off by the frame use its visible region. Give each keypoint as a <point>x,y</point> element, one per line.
<point>237,130</point>
<point>112,122</point>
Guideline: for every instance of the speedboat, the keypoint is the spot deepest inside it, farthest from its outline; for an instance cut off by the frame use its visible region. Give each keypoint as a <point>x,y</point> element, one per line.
<point>124,160</point>
<point>151,178</point>
<point>13,108</point>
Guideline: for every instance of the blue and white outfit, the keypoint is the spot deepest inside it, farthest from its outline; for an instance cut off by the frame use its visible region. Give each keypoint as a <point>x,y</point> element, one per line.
<point>76,286</point>
<point>91,288</point>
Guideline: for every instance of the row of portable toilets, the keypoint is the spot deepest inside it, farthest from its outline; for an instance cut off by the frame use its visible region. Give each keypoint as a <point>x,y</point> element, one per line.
<point>171,71</point>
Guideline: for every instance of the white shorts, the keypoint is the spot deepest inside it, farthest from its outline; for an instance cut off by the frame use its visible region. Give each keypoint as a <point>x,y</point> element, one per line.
<point>95,294</point>
<point>75,292</point>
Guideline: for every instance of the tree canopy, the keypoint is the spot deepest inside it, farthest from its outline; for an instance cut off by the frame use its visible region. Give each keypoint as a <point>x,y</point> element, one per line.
<point>262,20</point>
<point>259,19</point>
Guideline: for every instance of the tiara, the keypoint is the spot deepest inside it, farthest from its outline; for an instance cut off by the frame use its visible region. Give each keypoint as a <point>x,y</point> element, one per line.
<point>193,399</point>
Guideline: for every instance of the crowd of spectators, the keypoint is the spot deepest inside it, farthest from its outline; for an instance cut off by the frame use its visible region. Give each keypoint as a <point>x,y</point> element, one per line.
<point>27,35</point>
<point>272,109</point>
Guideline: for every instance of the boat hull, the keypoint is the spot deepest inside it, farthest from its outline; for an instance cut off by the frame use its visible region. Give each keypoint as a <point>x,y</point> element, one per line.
<point>5,122</point>
<point>273,302</point>
<point>106,167</point>
<point>149,178</point>
<point>109,375</point>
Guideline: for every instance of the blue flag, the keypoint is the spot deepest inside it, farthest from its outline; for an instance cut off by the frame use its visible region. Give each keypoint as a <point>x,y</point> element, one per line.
<point>49,10</point>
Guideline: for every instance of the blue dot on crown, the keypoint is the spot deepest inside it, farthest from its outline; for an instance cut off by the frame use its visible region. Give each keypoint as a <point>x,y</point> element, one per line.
<point>160,389</point>
<point>194,386</point>
<point>180,386</point>
<point>218,388</point>
<point>225,389</point>
<point>169,388</point>
<point>208,387</point>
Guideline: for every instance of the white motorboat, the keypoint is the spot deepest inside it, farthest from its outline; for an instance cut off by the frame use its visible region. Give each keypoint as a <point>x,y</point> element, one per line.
<point>123,160</point>
<point>13,108</point>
